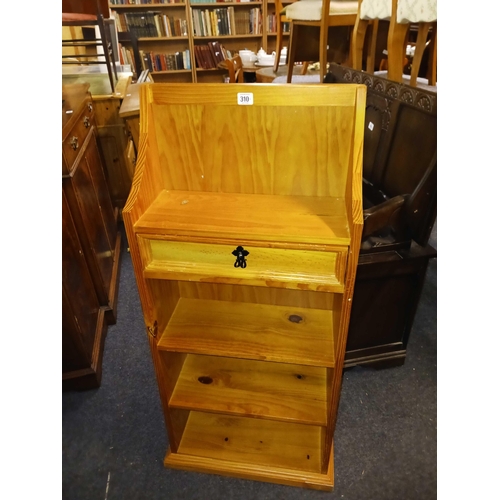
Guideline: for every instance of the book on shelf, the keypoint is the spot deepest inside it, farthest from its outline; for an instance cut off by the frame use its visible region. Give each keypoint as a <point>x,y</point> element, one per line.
<point>216,50</point>
<point>208,56</point>
<point>155,62</point>
<point>226,21</point>
<point>150,24</point>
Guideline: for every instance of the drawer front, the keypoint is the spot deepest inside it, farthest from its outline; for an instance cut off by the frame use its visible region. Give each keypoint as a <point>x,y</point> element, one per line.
<point>73,143</point>
<point>262,266</point>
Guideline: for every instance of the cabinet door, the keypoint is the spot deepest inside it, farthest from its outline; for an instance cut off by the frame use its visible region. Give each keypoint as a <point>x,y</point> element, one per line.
<point>96,212</point>
<point>80,306</point>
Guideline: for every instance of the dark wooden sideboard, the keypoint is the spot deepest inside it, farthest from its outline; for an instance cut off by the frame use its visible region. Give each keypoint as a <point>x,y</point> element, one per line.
<point>91,244</point>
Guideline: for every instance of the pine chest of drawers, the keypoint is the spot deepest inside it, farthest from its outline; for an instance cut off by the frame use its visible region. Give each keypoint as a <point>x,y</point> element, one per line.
<point>244,222</point>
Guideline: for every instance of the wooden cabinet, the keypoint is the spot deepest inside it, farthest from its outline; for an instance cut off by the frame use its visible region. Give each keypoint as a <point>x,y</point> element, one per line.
<point>253,26</point>
<point>244,225</point>
<point>386,296</point>
<point>91,243</point>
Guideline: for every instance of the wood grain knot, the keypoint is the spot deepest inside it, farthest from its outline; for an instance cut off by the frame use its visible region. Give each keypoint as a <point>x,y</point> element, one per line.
<point>295,318</point>
<point>205,380</point>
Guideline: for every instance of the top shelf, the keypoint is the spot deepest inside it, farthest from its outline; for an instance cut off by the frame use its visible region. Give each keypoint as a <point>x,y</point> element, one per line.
<point>286,220</point>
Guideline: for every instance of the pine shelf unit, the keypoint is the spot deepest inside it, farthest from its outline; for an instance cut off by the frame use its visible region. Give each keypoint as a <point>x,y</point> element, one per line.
<point>265,37</point>
<point>248,357</point>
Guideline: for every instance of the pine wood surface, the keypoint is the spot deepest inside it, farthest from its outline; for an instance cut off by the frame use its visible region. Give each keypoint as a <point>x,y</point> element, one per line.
<point>258,295</point>
<point>278,267</point>
<point>354,205</point>
<point>269,474</point>
<point>296,142</point>
<point>253,441</point>
<point>252,388</point>
<point>250,331</point>
<point>306,219</point>
<point>146,186</point>
<point>203,142</point>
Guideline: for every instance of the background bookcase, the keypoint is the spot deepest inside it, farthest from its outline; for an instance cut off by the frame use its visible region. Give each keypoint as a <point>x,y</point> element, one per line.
<point>262,36</point>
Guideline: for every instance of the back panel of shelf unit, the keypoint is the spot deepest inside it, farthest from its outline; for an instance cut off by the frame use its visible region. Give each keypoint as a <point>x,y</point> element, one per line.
<point>290,141</point>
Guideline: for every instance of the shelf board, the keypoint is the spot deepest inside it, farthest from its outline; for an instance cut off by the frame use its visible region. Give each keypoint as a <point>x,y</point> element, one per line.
<point>253,389</point>
<point>288,219</point>
<point>269,474</point>
<point>174,71</point>
<point>251,331</point>
<point>162,38</point>
<point>262,443</point>
<point>149,6</point>
<point>208,37</point>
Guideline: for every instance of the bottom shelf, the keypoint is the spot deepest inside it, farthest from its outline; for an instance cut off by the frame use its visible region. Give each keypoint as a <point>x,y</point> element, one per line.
<point>264,450</point>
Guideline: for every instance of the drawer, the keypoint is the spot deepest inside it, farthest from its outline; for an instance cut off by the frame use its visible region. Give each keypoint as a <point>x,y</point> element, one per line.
<point>74,140</point>
<point>304,268</point>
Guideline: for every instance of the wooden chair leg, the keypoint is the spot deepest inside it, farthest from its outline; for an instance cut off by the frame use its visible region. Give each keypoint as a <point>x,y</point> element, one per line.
<point>358,41</point>
<point>396,50</point>
<point>423,30</point>
<point>104,40</point>
<point>292,49</point>
<point>305,65</point>
<point>279,44</point>
<point>372,48</point>
<point>432,64</point>
<point>323,52</point>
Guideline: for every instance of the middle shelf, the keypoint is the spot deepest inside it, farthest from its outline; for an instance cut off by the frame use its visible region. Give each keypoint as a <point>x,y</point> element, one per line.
<point>273,391</point>
<point>252,331</point>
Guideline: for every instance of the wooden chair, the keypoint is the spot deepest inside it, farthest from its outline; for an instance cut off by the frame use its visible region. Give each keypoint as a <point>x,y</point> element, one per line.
<point>310,23</point>
<point>89,13</point>
<point>281,19</point>
<point>399,208</point>
<point>399,159</point>
<point>235,69</point>
<point>400,14</point>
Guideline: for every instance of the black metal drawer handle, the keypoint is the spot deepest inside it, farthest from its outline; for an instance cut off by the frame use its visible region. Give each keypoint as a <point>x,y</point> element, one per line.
<point>240,253</point>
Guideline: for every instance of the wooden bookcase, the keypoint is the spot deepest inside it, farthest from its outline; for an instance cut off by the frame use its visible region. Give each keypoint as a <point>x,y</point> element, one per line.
<point>248,358</point>
<point>265,37</point>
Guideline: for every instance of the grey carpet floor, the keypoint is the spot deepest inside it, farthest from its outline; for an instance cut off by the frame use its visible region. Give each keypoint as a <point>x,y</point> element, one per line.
<point>385,442</point>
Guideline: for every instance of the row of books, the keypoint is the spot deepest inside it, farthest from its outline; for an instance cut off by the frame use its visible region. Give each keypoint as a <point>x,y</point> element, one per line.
<point>272,24</point>
<point>163,2</point>
<point>144,2</point>
<point>127,57</point>
<point>165,62</point>
<point>210,55</point>
<point>227,21</point>
<point>222,1</point>
<point>150,24</point>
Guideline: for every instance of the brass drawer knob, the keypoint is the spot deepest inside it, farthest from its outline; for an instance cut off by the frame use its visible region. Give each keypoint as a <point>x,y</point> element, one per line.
<point>240,253</point>
<point>74,142</point>
<point>86,122</point>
